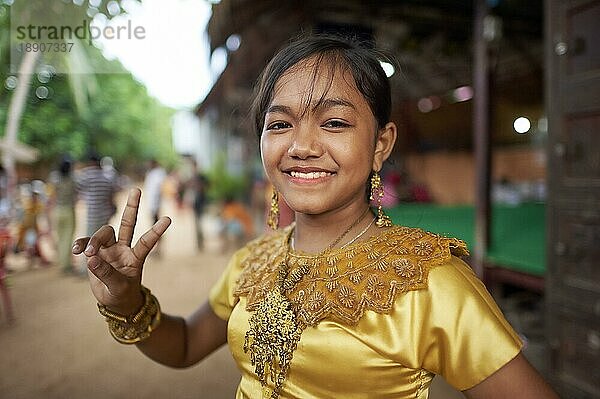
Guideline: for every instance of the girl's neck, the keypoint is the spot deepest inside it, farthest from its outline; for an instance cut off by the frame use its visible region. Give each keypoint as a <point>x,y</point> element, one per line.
<point>315,233</point>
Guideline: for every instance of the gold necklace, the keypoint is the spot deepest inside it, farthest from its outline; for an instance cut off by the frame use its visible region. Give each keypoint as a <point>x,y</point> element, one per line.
<point>287,281</point>
<point>359,234</point>
<point>274,330</point>
<point>339,238</point>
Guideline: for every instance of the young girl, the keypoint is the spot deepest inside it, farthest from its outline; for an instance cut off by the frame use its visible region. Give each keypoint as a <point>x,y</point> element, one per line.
<point>341,304</point>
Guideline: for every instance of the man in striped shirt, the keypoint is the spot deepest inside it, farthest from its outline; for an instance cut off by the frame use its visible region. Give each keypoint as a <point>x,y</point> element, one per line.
<point>98,191</point>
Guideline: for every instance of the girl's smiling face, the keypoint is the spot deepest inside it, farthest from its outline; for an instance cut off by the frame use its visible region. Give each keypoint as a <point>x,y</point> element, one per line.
<point>320,140</point>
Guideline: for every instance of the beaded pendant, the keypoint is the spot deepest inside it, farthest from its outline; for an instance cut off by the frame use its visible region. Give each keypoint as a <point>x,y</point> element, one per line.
<point>272,339</point>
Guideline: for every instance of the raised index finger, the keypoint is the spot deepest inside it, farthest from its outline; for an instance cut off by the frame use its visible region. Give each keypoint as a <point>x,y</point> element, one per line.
<point>129,218</point>
<point>150,238</point>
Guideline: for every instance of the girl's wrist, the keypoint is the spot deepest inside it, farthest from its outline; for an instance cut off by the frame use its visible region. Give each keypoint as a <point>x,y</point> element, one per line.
<point>134,327</point>
<point>129,307</point>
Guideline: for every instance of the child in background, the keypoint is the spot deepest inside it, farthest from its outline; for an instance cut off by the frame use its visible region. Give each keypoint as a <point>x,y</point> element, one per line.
<point>238,224</point>
<point>29,231</point>
<point>4,247</point>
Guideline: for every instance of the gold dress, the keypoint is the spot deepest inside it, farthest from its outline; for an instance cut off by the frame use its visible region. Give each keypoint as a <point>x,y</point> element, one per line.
<point>380,317</point>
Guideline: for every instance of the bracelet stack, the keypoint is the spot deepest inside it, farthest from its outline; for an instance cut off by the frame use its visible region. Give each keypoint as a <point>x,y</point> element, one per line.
<point>137,327</point>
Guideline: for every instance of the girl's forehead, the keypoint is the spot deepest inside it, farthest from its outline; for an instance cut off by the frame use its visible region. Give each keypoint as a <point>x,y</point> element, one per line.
<point>315,80</point>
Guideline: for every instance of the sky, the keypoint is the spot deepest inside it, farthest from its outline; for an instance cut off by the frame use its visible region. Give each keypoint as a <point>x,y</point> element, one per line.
<point>172,60</point>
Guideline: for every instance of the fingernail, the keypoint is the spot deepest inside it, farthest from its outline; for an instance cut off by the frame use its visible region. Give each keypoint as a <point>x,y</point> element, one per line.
<point>89,250</point>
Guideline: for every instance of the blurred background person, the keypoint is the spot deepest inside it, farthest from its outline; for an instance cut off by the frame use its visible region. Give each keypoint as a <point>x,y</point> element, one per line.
<point>186,173</point>
<point>108,168</point>
<point>391,179</point>
<point>98,191</point>
<point>29,227</point>
<point>238,226</point>
<point>199,189</point>
<point>65,195</point>
<point>153,185</point>
<point>5,242</point>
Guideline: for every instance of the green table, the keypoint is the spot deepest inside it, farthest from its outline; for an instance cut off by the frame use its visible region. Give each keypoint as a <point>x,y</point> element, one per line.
<point>517,232</point>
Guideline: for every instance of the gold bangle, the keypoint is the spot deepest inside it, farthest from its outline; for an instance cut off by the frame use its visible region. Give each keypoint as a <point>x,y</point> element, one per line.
<point>136,327</point>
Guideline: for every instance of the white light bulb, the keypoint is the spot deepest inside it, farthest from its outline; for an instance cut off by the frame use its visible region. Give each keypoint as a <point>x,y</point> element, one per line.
<point>522,125</point>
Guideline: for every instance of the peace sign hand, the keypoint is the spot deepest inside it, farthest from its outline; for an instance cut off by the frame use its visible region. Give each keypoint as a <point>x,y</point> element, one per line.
<point>115,266</point>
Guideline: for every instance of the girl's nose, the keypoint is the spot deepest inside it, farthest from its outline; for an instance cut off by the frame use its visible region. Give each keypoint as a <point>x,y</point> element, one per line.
<point>305,144</point>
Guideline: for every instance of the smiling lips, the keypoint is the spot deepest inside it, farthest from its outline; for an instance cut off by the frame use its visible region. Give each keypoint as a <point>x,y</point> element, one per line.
<point>309,175</point>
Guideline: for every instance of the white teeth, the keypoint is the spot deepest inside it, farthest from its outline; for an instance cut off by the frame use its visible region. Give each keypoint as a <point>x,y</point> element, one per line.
<point>309,175</point>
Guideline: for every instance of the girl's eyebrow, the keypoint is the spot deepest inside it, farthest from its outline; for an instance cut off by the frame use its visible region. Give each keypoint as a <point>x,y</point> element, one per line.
<point>282,109</point>
<point>319,106</point>
<point>333,102</point>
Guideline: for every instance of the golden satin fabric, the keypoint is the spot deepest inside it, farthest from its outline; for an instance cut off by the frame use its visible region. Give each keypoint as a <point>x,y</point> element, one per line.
<point>383,317</point>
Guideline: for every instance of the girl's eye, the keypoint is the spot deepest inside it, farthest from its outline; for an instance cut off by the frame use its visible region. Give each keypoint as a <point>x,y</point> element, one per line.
<point>335,124</point>
<point>278,126</point>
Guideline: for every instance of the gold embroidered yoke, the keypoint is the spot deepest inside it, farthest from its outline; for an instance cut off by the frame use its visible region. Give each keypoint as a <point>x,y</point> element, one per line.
<point>341,285</point>
<point>383,315</point>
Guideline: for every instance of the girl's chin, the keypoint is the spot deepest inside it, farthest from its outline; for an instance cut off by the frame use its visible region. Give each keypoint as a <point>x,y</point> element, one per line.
<point>307,208</point>
<point>317,203</point>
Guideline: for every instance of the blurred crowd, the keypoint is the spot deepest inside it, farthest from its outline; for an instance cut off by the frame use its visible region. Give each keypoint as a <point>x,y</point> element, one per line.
<point>38,217</point>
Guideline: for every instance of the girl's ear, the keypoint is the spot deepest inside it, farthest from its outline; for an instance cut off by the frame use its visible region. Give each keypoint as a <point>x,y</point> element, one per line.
<point>386,138</point>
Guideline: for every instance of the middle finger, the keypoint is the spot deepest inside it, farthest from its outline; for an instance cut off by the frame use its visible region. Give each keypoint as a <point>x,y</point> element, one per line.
<point>129,218</point>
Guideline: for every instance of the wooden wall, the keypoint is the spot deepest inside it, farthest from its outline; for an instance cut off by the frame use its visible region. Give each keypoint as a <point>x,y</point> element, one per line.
<point>450,176</point>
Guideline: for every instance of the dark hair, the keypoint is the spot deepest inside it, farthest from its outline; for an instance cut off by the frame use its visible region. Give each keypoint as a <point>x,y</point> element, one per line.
<point>65,167</point>
<point>333,52</point>
<point>93,156</point>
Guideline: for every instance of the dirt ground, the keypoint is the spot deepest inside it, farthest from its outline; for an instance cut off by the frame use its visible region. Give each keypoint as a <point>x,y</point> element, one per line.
<point>59,346</point>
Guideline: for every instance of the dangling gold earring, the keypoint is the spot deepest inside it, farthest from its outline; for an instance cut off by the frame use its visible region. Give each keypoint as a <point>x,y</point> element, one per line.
<point>377,193</point>
<point>273,216</point>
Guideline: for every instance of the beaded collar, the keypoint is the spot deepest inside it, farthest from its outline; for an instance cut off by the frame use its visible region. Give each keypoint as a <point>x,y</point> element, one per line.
<point>341,284</point>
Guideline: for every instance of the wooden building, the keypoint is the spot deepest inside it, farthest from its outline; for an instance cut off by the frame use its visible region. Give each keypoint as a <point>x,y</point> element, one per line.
<point>542,62</point>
